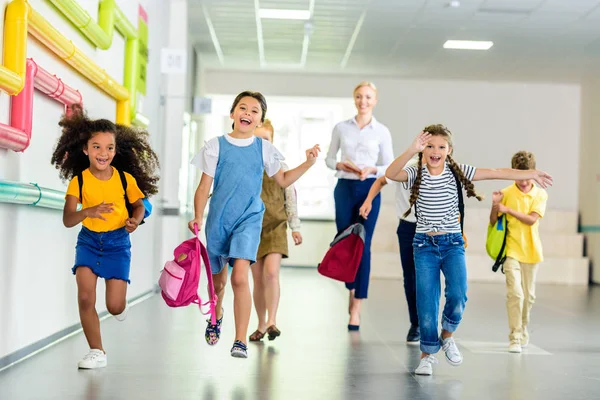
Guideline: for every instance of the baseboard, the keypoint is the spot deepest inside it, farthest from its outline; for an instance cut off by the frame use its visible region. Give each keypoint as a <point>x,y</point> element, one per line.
<point>45,343</point>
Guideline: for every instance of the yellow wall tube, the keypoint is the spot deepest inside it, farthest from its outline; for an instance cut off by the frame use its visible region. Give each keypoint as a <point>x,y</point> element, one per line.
<point>20,19</point>
<point>65,49</point>
<point>12,73</point>
<point>110,16</point>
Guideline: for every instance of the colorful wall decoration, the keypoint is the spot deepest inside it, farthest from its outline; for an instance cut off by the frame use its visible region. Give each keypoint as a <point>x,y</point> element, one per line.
<point>19,76</point>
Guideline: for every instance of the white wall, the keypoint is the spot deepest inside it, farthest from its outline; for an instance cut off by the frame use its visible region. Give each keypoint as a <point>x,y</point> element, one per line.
<point>490,121</point>
<point>37,289</point>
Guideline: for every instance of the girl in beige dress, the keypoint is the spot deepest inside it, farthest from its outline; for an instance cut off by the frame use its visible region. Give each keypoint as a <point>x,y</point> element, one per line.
<point>280,212</point>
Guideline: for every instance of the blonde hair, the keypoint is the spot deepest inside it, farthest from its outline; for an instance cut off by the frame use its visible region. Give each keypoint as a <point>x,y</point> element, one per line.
<point>366,83</point>
<point>269,126</point>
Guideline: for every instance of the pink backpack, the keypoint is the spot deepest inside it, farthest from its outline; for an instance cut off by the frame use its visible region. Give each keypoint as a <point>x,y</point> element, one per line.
<point>180,278</point>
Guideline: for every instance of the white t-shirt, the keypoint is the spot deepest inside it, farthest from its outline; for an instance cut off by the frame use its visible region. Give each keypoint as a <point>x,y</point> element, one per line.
<point>208,156</point>
<point>403,200</point>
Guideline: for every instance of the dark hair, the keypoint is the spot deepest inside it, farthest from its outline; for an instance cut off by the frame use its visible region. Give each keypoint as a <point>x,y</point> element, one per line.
<point>255,95</point>
<point>523,160</point>
<point>441,130</point>
<point>133,152</point>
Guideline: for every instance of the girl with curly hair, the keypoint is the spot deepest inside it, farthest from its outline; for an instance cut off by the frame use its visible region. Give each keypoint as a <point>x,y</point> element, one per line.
<point>111,169</point>
<point>438,244</point>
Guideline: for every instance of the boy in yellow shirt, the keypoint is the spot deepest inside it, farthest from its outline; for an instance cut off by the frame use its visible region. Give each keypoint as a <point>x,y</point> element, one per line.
<point>524,204</point>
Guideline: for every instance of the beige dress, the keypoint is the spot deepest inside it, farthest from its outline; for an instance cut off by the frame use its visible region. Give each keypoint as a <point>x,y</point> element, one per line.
<point>280,211</point>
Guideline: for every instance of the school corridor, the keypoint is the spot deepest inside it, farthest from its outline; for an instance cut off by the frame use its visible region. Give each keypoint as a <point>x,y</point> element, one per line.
<point>160,353</point>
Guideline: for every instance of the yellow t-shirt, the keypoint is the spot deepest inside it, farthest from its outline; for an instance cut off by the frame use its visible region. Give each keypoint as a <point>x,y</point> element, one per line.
<point>96,191</point>
<point>523,242</point>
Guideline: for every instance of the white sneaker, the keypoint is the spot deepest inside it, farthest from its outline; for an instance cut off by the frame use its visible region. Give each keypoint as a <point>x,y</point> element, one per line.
<point>123,315</point>
<point>426,365</point>
<point>453,355</point>
<point>514,347</point>
<point>92,360</point>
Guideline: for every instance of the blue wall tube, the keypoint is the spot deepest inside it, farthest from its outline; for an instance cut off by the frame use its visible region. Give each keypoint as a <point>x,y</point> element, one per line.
<point>31,194</point>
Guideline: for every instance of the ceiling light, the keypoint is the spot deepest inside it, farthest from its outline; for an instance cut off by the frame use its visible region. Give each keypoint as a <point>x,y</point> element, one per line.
<point>454,4</point>
<point>284,14</point>
<point>468,44</point>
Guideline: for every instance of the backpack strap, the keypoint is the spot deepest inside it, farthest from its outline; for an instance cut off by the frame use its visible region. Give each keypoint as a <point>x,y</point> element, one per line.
<point>461,203</point>
<point>80,182</point>
<point>501,258</point>
<point>201,250</point>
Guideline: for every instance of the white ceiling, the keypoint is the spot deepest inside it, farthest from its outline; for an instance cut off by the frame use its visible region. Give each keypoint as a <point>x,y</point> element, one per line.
<point>553,40</point>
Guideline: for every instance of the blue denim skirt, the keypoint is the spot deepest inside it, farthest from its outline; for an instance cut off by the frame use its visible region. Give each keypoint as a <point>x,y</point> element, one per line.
<point>107,254</point>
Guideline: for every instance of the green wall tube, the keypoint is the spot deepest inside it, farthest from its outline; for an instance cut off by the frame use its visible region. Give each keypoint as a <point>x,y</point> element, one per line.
<point>31,194</point>
<point>110,16</point>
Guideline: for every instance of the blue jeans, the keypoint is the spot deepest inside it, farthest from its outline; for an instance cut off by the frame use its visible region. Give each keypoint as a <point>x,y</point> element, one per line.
<point>349,195</point>
<point>445,253</point>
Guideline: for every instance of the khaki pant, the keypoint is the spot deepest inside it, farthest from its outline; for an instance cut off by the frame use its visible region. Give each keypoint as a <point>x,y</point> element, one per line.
<point>520,296</point>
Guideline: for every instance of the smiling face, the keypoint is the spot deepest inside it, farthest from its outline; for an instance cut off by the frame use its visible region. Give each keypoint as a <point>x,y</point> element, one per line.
<point>365,99</point>
<point>246,115</point>
<point>436,151</point>
<point>264,133</point>
<point>100,149</point>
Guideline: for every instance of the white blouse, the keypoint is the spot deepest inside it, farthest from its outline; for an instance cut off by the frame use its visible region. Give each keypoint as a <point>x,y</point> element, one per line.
<point>366,147</point>
<point>208,156</point>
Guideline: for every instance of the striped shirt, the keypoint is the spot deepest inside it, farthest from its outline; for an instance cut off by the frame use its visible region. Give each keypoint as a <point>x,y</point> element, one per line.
<point>437,204</point>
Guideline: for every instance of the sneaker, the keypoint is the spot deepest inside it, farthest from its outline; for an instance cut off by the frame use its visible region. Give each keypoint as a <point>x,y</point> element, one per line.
<point>123,315</point>
<point>213,332</point>
<point>453,355</point>
<point>239,350</point>
<point>92,360</point>
<point>514,347</point>
<point>525,337</point>
<point>414,335</point>
<point>426,365</point>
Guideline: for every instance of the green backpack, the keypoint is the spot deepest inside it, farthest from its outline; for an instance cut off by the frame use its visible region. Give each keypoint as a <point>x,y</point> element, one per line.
<point>496,242</point>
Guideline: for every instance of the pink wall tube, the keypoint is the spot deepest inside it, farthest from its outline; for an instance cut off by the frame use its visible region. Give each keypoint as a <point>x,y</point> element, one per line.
<point>17,136</point>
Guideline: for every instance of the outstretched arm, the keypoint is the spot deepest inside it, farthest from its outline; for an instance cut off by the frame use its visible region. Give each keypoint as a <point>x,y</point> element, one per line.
<point>543,179</point>
<point>285,179</point>
<point>376,187</point>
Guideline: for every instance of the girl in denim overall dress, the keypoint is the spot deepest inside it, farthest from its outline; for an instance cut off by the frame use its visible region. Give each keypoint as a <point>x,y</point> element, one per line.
<point>100,153</point>
<point>235,164</point>
<point>438,244</point>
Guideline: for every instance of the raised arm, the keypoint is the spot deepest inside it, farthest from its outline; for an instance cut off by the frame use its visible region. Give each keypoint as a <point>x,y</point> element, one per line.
<point>496,201</point>
<point>286,178</point>
<point>396,170</point>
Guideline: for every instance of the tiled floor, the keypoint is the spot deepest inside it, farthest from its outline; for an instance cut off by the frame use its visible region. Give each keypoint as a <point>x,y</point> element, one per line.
<point>160,353</point>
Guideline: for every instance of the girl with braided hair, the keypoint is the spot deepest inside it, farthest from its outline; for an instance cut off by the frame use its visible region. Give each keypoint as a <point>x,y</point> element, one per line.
<point>117,165</point>
<point>438,244</point>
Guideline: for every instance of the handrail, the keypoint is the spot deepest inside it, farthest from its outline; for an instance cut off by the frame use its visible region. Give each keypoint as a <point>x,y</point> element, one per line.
<point>21,19</point>
<point>101,35</point>
<point>31,194</point>
<point>17,136</point>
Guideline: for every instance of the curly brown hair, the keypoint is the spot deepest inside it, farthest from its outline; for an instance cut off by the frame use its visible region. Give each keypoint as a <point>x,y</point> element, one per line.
<point>523,160</point>
<point>133,152</point>
<point>440,130</point>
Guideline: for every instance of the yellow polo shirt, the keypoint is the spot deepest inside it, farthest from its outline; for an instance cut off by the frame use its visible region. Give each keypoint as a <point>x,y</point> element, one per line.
<point>523,242</point>
<point>96,191</point>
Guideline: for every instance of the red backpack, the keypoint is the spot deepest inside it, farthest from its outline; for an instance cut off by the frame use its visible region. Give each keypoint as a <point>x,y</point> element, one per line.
<point>342,260</point>
<point>180,278</point>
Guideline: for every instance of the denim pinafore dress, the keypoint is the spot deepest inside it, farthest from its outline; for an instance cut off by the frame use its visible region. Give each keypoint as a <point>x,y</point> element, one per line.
<point>236,210</point>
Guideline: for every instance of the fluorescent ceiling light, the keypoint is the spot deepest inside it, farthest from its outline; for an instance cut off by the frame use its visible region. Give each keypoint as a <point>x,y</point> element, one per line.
<point>468,44</point>
<point>284,14</point>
